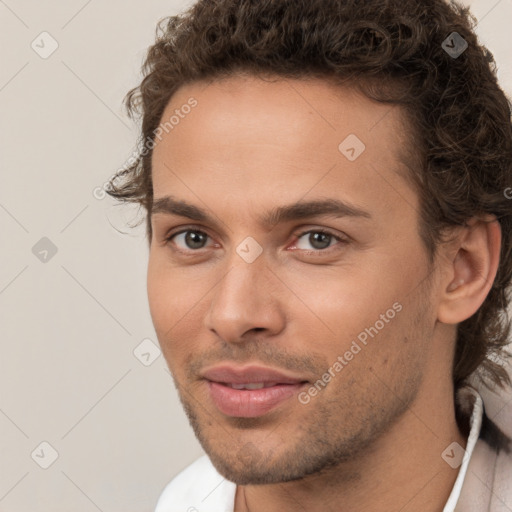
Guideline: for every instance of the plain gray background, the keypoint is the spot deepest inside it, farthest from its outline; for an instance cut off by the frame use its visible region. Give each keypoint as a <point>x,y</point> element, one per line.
<point>80,367</point>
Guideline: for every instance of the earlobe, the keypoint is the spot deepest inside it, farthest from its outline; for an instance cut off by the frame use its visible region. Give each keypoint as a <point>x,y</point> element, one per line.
<point>471,272</point>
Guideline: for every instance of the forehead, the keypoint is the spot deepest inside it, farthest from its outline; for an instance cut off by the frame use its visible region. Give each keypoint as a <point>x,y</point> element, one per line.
<point>287,137</point>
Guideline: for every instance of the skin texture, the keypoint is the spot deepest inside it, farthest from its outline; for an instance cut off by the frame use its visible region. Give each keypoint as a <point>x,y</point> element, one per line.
<point>372,438</point>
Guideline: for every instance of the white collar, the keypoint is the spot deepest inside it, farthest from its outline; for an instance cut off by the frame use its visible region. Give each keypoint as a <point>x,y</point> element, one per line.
<point>468,398</point>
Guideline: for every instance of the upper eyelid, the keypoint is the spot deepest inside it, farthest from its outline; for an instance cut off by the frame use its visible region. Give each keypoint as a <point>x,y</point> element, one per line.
<point>170,233</point>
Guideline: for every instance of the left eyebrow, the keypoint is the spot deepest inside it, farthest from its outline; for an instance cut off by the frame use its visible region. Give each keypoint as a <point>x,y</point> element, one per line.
<point>286,213</point>
<point>303,210</point>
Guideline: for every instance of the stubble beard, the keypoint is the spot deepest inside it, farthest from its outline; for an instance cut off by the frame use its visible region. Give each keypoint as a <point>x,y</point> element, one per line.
<point>326,440</point>
<point>336,430</point>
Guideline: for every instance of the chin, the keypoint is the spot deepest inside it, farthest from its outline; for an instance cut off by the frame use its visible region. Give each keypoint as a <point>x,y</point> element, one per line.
<point>245,472</point>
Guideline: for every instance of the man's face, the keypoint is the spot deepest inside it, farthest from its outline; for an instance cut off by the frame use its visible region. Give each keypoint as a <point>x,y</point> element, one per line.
<point>235,300</point>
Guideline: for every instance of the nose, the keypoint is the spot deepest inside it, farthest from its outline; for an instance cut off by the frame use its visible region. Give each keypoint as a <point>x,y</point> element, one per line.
<point>245,302</point>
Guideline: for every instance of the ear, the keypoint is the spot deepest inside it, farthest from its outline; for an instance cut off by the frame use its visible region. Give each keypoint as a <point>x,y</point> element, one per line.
<point>470,266</point>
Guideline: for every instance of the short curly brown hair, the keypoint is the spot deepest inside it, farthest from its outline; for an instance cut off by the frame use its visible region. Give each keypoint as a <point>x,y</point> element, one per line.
<point>394,51</point>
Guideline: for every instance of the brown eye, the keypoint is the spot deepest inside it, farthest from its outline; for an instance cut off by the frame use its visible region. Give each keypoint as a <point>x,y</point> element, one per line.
<point>189,239</point>
<point>319,240</point>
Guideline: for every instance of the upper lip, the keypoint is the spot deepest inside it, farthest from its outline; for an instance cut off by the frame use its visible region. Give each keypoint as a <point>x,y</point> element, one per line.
<point>248,374</point>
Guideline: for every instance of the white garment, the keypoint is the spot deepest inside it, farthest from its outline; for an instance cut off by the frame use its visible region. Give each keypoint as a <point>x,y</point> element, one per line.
<point>475,425</point>
<point>200,488</point>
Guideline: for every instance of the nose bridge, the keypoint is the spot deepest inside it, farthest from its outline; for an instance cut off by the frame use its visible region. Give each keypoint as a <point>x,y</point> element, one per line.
<point>243,281</point>
<point>242,300</point>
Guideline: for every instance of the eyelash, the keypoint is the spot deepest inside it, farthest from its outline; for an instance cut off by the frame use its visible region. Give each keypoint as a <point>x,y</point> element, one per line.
<point>193,252</point>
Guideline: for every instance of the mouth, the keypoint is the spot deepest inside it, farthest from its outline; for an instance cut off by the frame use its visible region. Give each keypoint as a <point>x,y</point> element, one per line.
<point>250,385</point>
<point>249,392</point>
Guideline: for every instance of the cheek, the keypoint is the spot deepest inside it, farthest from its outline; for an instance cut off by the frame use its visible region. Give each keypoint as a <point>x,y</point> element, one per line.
<point>174,303</point>
<point>346,296</point>
<point>171,291</point>
<point>160,299</point>
<point>363,304</point>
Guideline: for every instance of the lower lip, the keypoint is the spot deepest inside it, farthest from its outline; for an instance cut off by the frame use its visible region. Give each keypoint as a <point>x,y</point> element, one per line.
<point>250,403</point>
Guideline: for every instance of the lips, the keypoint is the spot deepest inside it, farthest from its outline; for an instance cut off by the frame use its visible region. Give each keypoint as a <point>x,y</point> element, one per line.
<point>242,375</point>
<point>249,392</point>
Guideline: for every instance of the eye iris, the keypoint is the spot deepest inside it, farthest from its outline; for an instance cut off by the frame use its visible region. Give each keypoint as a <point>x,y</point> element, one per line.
<point>319,240</point>
<point>194,240</point>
